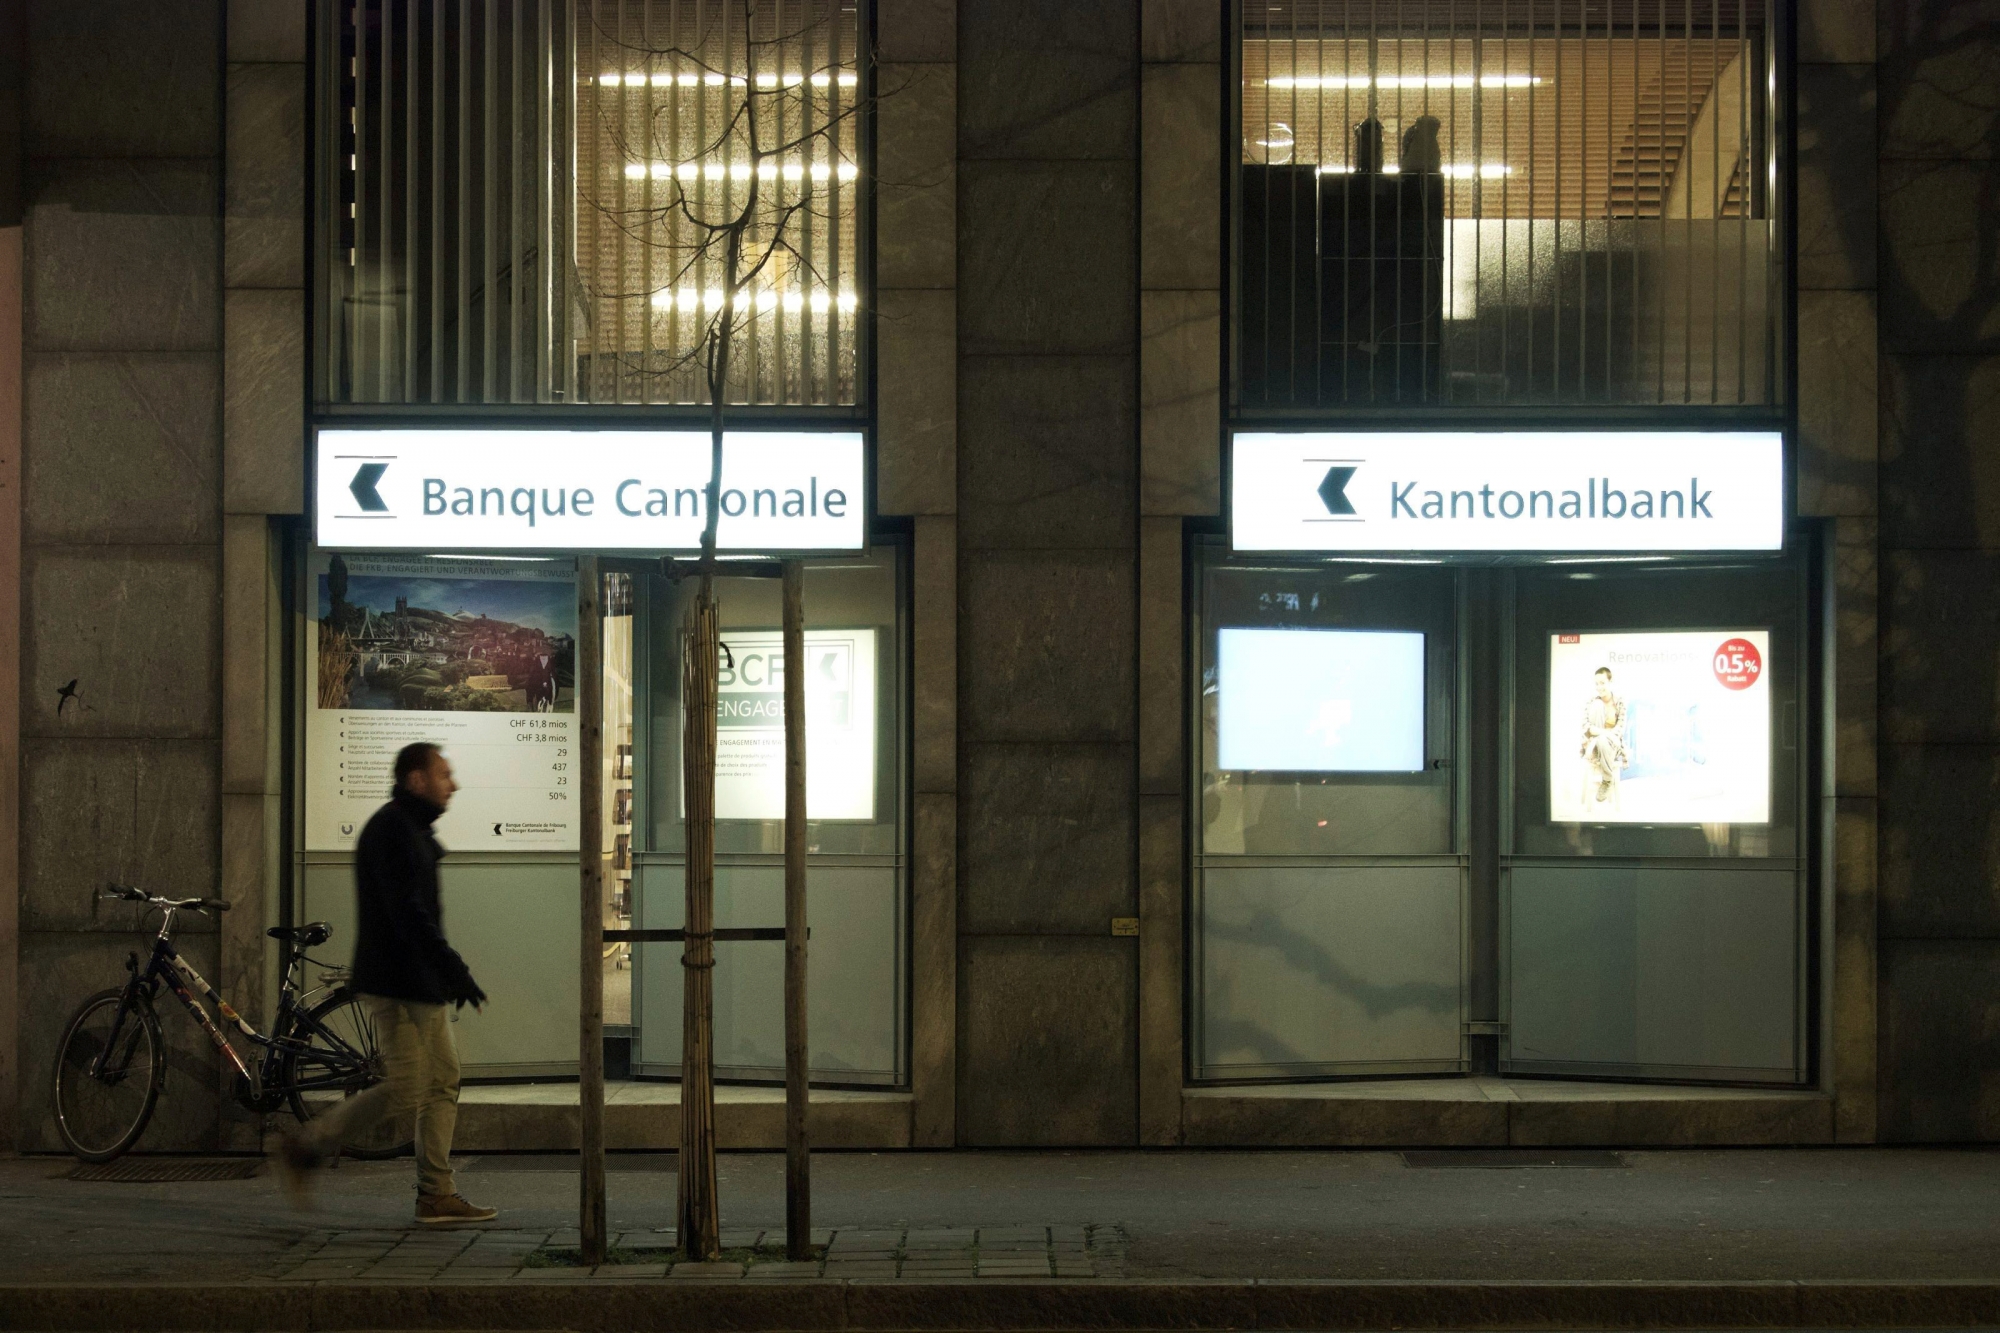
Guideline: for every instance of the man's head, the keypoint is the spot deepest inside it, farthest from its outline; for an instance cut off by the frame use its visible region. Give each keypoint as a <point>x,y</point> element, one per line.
<point>1603,681</point>
<point>422,770</point>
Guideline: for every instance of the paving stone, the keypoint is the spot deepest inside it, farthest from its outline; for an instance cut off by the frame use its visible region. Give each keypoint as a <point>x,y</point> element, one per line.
<point>785,1269</point>
<point>636,1270</point>
<point>860,1270</point>
<point>710,1269</point>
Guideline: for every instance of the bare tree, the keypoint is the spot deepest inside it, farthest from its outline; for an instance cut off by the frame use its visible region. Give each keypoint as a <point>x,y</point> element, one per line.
<point>739,230</point>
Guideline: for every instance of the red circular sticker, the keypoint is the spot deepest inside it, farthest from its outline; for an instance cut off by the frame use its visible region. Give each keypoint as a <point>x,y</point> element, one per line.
<point>1738,664</point>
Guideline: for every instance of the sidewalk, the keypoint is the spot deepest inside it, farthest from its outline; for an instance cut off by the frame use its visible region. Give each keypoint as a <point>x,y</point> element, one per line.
<point>1726,1237</point>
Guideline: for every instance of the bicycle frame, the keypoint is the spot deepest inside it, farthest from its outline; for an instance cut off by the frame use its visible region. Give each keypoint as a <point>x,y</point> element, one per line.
<point>167,966</point>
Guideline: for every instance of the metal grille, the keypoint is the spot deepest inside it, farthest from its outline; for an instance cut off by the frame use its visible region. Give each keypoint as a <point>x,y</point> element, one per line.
<point>162,1171</point>
<point>528,201</point>
<point>1506,202</point>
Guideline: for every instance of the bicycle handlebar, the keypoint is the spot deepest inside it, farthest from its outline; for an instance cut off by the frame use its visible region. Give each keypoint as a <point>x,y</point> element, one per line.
<point>126,893</point>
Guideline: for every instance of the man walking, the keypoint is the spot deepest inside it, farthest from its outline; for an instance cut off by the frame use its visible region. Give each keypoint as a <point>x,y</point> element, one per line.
<point>406,974</point>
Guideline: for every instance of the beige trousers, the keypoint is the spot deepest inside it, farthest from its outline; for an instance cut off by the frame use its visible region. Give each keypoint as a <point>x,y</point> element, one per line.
<point>420,1060</point>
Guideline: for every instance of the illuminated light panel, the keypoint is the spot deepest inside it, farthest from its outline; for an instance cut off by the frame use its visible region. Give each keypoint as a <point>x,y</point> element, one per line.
<point>691,300</point>
<point>1326,81</point>
<point>1455,170</point>
<point>718,80</point>
<point>740,171</point>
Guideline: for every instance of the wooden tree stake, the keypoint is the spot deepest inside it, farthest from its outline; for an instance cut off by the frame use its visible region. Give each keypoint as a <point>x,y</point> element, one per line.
<point>798,1149</point>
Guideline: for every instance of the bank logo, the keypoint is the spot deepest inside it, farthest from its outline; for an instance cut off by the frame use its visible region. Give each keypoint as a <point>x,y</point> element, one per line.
<point>1333,492</point>
<point>366,477</point>
<point>751,688</point>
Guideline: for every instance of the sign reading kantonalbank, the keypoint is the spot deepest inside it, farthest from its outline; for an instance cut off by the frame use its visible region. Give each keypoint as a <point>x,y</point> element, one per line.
<point>1507,491</point>
<point>470,489</point>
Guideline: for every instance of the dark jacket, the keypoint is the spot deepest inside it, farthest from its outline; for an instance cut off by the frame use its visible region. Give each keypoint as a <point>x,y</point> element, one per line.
<point>400,951</point>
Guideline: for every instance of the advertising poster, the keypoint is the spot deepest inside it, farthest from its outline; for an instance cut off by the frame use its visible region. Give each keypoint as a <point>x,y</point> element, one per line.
<point>1660,727</point>
<point>840,725</point>
<point>1320,701</point>
<point>477,656</point>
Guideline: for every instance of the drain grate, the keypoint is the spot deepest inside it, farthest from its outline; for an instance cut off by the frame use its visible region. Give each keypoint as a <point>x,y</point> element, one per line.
<point>1492,1159</point>
<point>155,1171</point>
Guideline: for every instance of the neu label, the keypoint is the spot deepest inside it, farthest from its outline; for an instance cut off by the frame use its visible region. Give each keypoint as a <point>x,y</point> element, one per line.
<point>1738,664</point>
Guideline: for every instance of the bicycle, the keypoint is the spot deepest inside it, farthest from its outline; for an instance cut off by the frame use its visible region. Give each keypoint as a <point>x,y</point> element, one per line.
<point>111,1065</point>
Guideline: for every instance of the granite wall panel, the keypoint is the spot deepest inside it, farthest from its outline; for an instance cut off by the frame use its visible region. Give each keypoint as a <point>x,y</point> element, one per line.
<point>1940,471</point>
<point>1940,841</point>
<point>1940,1016</point>
<point>123,78</point>
<point>121,448</point>
<point>1834,197</point>
<point>1048,459</point>
<point>1180,177</point>
<point>136,627</point>
<point>1939,65</point>
<point>122,256</point>
<point>1180,402</point>
<point>97,812</point>
<point>916,176</point>
<point>916,396</point>
<point>916,30</point>
<point>1940,646</point>
<point>1046,646</point>
<point>263,402</point>
<point>1046,261</point>
<point>1047,79</point>
<point>1047,1028</point>
<point>1047,835</point>
<point>267,30</point>
<point>1940,276</point>
<point>264,187</point>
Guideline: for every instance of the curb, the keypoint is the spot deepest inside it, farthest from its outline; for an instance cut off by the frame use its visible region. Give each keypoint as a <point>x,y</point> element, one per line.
<point>611,1305</point>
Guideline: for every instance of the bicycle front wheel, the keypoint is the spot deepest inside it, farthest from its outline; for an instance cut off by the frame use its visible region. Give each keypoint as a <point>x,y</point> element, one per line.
<point>336,1055</point>
<point>102,1104</point>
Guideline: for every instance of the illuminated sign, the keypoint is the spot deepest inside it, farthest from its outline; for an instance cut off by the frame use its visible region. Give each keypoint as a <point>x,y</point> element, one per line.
<point>1660,727</point>
<point>1320,701</point>
<point>840,725</point>
<point>467,489</point>
<point>1507,491</point>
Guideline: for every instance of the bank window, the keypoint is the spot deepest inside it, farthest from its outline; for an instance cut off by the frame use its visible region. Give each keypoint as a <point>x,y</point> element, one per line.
<point>1541,821</point>
<point>1488,203</point>
<point>534,201</point>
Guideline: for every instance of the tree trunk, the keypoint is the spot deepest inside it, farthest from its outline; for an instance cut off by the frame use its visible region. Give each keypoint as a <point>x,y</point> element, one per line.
<point>587,775</point>
<point>699,1219</point>
<point>798,1161</point>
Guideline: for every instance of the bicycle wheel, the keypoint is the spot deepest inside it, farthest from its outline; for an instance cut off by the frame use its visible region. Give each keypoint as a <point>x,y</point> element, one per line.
<point>337,1056</point>
<point>101,1110</point>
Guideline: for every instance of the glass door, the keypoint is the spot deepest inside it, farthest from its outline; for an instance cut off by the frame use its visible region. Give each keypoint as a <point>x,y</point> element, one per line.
<point>856,872</point>
<point>1330,876</point>
<point>1654,883</point>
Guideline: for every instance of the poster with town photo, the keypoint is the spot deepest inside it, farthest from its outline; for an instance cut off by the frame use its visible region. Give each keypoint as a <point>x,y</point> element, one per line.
<point>476,656</point>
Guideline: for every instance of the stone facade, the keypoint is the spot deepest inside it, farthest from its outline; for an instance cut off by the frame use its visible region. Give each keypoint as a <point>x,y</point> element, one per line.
<point>1049,419</point>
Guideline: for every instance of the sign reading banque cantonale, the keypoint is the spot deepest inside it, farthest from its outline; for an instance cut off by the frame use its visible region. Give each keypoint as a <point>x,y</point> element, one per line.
<point>1508,491</point>
<point>468,489</point>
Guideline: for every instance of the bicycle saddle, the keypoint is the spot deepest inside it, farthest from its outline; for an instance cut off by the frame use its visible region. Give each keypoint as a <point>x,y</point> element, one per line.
<point>306,936</point>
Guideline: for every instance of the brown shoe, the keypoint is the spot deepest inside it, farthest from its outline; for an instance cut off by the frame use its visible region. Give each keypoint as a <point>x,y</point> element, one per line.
<point>451,1208</point>
<point>297,1162</point>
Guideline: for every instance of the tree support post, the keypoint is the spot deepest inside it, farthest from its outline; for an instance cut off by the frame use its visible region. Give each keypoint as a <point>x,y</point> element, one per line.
<point>798,1148</point>
<point>700,1225</point>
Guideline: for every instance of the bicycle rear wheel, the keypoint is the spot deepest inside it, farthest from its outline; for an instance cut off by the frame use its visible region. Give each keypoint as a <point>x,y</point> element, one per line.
<point>101,1110</point>
<point>338,1056</point>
